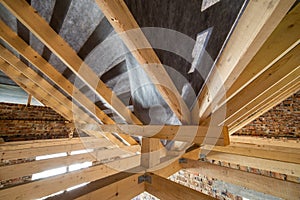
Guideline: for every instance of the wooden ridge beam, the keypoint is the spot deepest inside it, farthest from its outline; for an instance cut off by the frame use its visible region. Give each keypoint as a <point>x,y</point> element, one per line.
<point>284,71</point>
<point>258,21</point>
<point>268,185</point>
<point>28,168</point>
<point>47,186</point>
<point>168,190</point>
<point>257,153</point>
<point>193,134</point>
<point>120,17</point>
<point>47,69</point>
<point>41,29</point>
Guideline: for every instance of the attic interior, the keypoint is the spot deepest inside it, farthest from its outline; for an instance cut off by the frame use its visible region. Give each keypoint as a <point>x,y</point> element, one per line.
<point>127,99</point>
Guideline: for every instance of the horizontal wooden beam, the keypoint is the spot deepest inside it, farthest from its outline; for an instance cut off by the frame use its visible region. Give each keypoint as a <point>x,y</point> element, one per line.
<point>47,69</point>
<point>29,168</point>
<point>120,17</point>
<point>46,150</point>
<point>257,153</point>
<point>255,25</point>
<point>47,186</point>
<point>41,143</point>
<point>193,134</point>
<point>265,141</point>
<point>166,189</point>
<point>289,169</point>
<point>41,29</point>
<point>268,185</point>
<point>120,186</point>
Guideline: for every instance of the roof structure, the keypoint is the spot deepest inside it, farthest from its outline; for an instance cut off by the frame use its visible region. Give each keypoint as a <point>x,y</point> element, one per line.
<point>149,88</point>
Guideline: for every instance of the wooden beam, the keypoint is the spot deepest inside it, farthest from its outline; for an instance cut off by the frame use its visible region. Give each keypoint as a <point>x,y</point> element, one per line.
<point>46,68</point>
<point>121,186</point>
<point>41,143</point>
<point>35,90</point>
<point>284,71</point>
<point>169,170</point>
<point>28,168</point>
<point>193,134</point>
<point>253,28</point>
<point>46,150</point>
<point>47,186</point>
<point>150,152</point>
<point>41,29</point>
<point>168,190</point>
<point>283,39</point>
<point>271,101</point>
<point>257,153</point>
<point>118,14</point>
<point>268,185</point>
<point>29,100</point>
<point>265,141</point>
<point>289,169</point>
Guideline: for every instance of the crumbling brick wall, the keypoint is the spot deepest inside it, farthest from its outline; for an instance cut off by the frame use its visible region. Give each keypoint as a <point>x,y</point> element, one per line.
<point>281,121</point>
<point>21,122</point>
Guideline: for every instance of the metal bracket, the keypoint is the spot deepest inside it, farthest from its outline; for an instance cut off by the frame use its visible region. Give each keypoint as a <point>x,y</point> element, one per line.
<point>202,157</point>
<point>144,178</point>
<point>182,160</point>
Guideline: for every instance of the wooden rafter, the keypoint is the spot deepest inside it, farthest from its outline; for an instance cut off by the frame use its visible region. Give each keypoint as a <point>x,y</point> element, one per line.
<point>284,71</point>
<point>46,68</point>
<point>118,14</point>
<point>268,185</point>
<point>258,21</point>
<point>41,29</point>
<point>166,189</point>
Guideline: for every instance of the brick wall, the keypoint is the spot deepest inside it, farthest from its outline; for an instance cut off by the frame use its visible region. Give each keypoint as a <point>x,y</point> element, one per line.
<point>21,122</point>
<point>281,121</point>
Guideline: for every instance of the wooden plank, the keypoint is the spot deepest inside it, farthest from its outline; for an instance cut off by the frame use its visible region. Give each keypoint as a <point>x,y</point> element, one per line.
<point>193,134</point>
<point>284,38</point>
<point>265,141</point>
<point>289,169</point>
<point>116,187</point>
<point>257,153</point>
<point>42,143</point>
<point>169,170</point>
<point>272,100</point>
<point>46,150</point>
<point>286,70</point>
<point>166,189</point>
<point>35,90</point>
<point>253,28</point>
<point>47,186</point>
<point>268,185</point>
<point>118,14</point>
<point>41,64</point>
<point>150,152</point>
<point>28,168</point>
<point>41,29</point>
